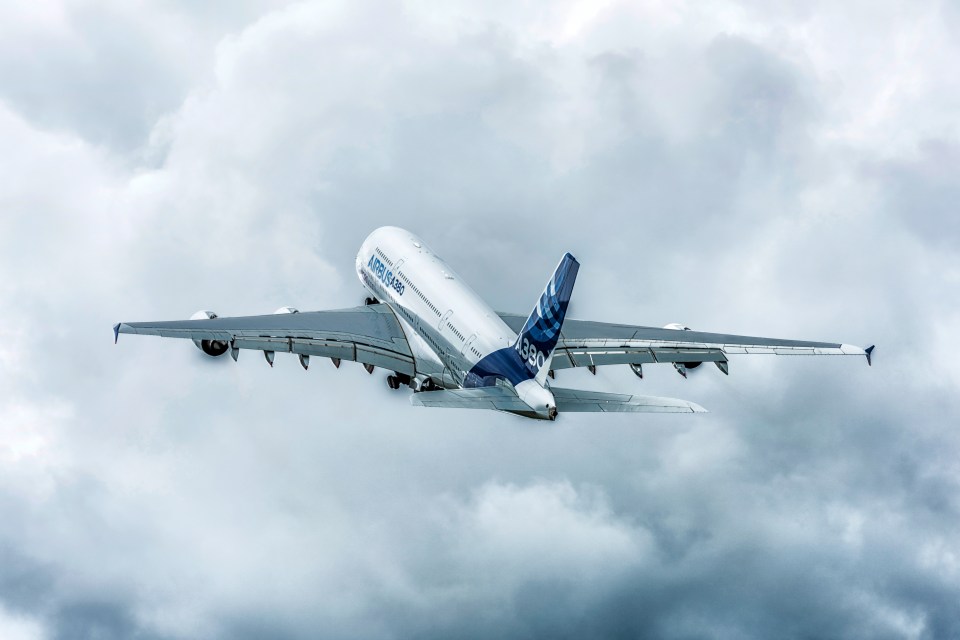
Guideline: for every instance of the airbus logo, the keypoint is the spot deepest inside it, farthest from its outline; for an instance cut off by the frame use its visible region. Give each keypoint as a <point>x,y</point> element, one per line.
<point>379,269</point>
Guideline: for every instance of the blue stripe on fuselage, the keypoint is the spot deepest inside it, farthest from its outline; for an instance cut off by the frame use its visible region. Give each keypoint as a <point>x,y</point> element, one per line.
<point>503,364</point>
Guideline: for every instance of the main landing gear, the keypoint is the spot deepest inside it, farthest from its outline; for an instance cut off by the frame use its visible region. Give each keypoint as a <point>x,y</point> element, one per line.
<point>398,380</point>
<point>427,384</point>
<point>395,381</point>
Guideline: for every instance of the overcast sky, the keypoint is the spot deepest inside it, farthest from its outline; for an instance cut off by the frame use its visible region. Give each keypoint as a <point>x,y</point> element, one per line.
<point>791,172</point>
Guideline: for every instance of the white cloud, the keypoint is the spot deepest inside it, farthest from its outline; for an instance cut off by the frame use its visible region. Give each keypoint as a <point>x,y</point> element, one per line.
<point>731,166</point>
<point>550,529</point>
<point>14,627</point>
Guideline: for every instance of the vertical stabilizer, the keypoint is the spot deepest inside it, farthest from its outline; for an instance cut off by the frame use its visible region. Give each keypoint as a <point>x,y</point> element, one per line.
<point>530,356</point>
<point>540,334</point>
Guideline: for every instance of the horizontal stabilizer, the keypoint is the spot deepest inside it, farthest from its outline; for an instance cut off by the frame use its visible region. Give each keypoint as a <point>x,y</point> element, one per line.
<point>568,400</point>
<point>496,398</point>
<point>575,400</point>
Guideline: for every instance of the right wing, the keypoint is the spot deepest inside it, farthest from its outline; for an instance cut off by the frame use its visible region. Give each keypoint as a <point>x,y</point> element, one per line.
<point>584,343</point>
<point>370,335</point>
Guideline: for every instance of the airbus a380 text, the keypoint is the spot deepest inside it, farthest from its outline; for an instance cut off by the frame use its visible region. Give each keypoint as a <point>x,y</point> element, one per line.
<point>437,336</point>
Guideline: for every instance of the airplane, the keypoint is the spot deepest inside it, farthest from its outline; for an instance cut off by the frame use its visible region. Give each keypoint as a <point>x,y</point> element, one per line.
<point>426,326</point>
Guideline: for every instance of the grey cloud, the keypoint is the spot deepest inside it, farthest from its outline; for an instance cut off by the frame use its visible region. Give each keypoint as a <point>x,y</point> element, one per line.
<point>100,77</point>
<point>107,71</point>
<point>149,491</point>
<point>97,620</point>
<point>923,191</point>
<point>24,584</point>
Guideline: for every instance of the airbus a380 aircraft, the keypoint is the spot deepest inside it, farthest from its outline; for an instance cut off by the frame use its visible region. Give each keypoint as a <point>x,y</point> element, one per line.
<point>440,338</point>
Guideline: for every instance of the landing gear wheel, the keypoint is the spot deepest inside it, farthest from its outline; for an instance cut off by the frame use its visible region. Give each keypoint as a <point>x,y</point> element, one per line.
<point>392,382</point>
<point>370,301</point>
<point>428,385</point>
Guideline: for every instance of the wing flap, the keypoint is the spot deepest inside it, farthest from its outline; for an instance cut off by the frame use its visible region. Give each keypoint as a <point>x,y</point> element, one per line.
<point>568,357</point>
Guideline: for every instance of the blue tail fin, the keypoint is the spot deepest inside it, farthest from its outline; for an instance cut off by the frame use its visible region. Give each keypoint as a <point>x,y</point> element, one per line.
<point>529,357</point>
<point>540,334</point>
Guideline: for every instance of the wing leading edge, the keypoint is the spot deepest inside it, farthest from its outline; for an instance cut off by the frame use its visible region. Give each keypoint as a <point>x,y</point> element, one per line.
<point>370,334</point>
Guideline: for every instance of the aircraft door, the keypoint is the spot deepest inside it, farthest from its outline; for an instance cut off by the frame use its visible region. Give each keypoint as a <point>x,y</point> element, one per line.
<point>466,345</point>
<point>449,379</point>
<point>443,320</point>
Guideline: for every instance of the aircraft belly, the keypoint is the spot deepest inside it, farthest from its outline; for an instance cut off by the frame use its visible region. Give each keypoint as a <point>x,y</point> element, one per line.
<point>425,360</point>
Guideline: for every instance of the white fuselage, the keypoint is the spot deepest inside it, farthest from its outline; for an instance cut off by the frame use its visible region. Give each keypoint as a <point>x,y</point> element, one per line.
<point>449,327</point>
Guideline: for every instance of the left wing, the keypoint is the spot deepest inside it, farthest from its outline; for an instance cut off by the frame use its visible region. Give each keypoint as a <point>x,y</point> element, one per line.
<point>371,335</point>
<point>588,344</point>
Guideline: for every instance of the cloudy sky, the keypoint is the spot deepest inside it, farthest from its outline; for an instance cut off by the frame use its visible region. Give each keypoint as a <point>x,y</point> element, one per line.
<point>790,171</point>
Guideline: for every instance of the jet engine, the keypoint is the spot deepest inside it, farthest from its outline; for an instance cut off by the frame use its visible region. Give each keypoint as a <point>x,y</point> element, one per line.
<point>210,347</point>
<point>682,367</point>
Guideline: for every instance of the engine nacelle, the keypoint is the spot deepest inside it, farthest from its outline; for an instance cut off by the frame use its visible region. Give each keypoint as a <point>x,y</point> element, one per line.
<point>213,347</point>
<point>210,347</point>
<point>682,367</point>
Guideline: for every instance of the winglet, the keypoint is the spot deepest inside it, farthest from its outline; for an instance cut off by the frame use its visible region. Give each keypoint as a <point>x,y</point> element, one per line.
<point>116,332</point>
<point>869,352</point>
